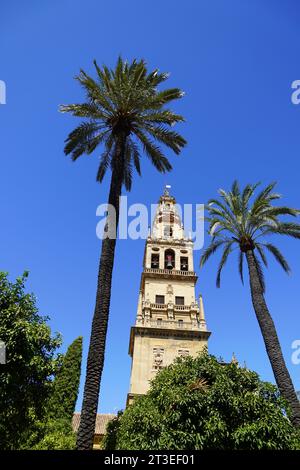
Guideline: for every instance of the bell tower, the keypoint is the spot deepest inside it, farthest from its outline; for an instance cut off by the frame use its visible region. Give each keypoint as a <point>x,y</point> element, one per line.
<point>169,322</point>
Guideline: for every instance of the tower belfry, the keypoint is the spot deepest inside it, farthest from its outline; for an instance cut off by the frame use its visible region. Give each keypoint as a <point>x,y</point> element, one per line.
<point>169,322</point>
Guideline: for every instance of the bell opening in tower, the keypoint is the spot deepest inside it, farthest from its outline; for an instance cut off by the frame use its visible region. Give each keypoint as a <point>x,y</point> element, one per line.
<point>169,259</point>
<point>184,266</point>
<point>155,261</point>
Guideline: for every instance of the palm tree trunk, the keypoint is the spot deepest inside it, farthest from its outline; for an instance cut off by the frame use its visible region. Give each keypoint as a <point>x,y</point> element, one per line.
<point>271,340</point>
<point>96,352</point>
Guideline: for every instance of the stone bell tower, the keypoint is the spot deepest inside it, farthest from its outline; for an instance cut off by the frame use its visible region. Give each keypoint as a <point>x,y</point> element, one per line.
<point>170,322</point>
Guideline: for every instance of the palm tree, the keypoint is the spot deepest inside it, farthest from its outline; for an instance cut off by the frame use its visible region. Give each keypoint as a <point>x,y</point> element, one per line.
<point>125,113</point>
<point>238,220</point>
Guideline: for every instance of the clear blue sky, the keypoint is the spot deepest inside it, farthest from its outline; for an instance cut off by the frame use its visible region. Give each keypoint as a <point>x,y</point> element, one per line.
<point>236,60</point>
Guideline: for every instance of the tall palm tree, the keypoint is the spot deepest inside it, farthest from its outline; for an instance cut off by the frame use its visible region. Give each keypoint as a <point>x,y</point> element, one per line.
<point>125,113</point>
<point>240,220</point>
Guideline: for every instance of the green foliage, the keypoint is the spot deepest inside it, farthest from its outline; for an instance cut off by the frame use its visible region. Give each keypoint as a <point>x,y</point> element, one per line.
<point>49,435</point>
<point>110,438</point>
<point>199,403</point>
<point>35,410</point>
<point>31,361</point>
<point>238,219</point>
<point>125,103</point>
<point>66,384</point>
<point>59,436</point>
<point>54,431</point>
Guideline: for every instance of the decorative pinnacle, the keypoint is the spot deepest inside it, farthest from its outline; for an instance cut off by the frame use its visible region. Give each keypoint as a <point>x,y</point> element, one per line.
<point>166,191</point>
<point>234,360</point>
<point>201,308</point>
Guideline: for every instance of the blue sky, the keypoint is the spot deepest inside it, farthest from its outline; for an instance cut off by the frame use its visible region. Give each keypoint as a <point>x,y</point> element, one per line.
<point>236,60</point>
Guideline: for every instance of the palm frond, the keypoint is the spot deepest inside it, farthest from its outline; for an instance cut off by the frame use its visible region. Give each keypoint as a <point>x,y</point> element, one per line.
<point>222,211</point>
<point>170,138</point>
<point>248,193</point>
<point>232,199</point>
<point>94,93</point>
<point>284,228</point>
<point>125,101</point>
<point>81,139</point>
<point>160,162</point>
<point>85,110</point>
<point>160,117</point>
<point>210,250</point>
<point>241,266</point>
<point>200,384</point>
<point>155,78</point>
<point>243,219</point>
<point>164,97</point>
<point>235,198</point>
<point>261,252</point>
<point>278,256</point>
<point>226,252</point>
<point>277,211</point>
<point>135,156</point>
<point>264,198</point>
<point>106,158</point>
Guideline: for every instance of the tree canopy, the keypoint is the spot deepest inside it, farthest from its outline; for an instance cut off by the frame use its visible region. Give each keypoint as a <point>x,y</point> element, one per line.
<point>54,431</point>
<point>202,403</point>
<point>239,220</point>
<point>31,361</point>
<point>66,383</point>
<point>125,102</point>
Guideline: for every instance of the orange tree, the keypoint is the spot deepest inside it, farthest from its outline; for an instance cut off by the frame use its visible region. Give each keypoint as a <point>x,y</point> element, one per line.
<point>201,403</point>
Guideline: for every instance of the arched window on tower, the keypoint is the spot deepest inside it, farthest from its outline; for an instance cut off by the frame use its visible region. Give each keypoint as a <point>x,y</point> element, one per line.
<point>168,231</point>
<point>169,259</point>
<point>154,261</point>
<point>184,263</point>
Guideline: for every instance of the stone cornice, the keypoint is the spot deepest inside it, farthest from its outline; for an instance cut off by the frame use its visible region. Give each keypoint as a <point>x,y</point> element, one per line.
<point>169,274</point>
<point>169,241</point>
<point>164,333</point>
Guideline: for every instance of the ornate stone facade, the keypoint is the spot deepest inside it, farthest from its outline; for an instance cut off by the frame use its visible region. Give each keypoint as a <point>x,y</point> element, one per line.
<point>170,322</point>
